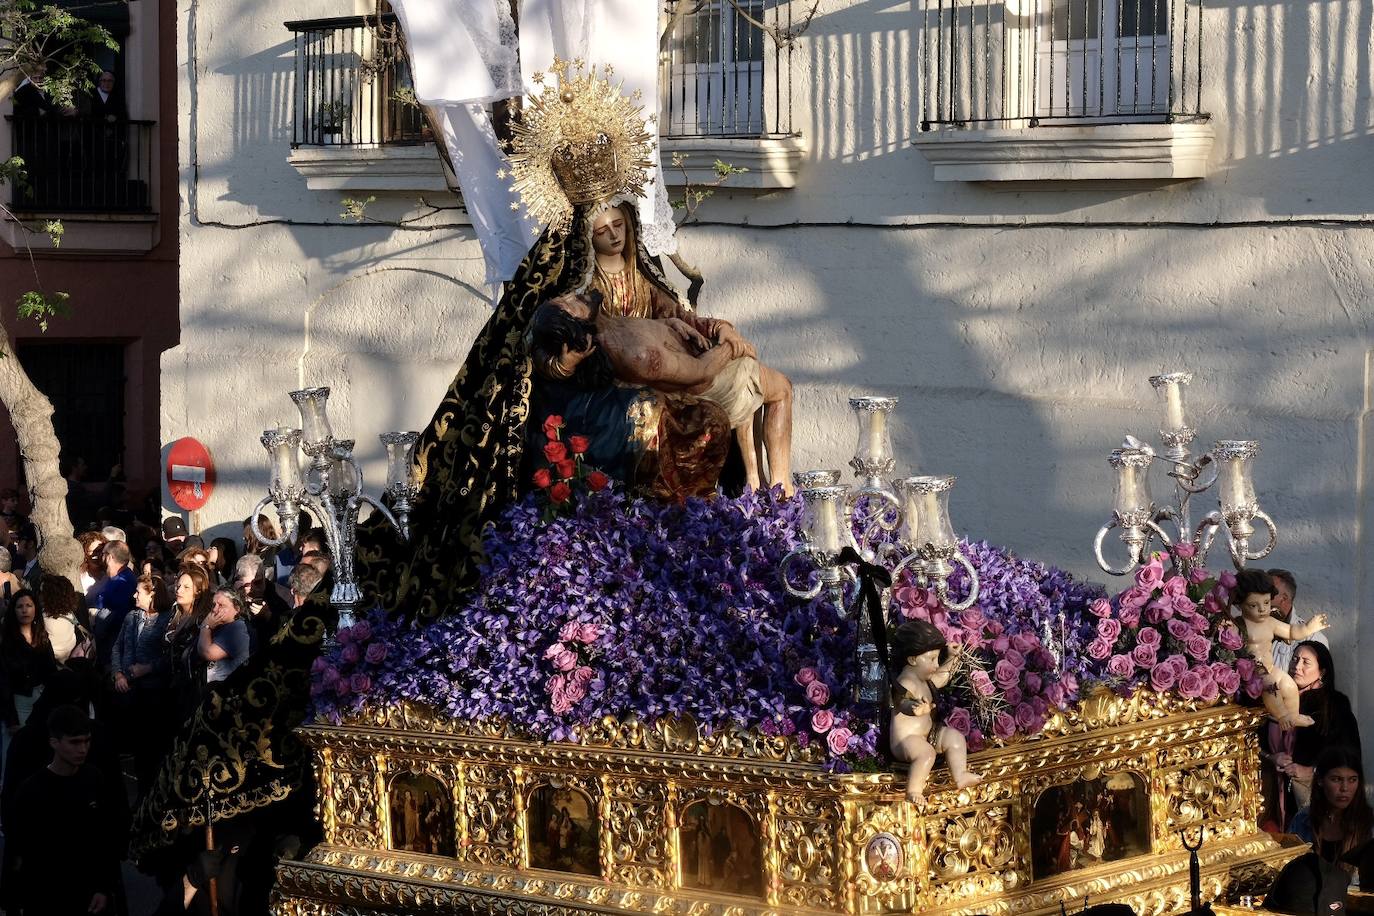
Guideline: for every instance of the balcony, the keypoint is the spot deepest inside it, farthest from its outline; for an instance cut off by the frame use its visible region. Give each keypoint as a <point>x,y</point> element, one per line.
<point>1063,89</point>
<point>727,94</point>
<point>82,166</point>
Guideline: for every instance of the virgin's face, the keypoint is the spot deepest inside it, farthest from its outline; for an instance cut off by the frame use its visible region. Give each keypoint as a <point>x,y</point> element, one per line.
<point>25,610</point>
<point>1340,786</point>
<point>608,232</point>
<point>1306,672</point>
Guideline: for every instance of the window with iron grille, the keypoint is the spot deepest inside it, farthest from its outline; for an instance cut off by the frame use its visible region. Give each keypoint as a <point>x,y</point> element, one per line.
<point>1044,62</point>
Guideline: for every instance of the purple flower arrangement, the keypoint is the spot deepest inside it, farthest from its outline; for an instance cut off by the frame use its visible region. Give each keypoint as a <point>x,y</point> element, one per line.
<point>621,607</point>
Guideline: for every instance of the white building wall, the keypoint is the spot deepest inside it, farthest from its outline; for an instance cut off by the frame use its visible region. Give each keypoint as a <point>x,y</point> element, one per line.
<point>1016,323</point>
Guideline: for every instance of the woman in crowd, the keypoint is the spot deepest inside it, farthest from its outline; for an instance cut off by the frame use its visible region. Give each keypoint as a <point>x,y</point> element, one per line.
<point>62,617</point>
<point>141,671</point>
<point>224,636</point>
<point>251,544</point>
<point>224,553</point>
<point>192,605</point>
<point>1295,751</point>
<point>9,582</point>
<point>1339,818</point>
<point>93,566</point>
<point>25,660</point>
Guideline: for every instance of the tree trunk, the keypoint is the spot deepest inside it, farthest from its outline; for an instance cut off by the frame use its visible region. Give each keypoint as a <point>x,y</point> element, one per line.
<point>31,415</point>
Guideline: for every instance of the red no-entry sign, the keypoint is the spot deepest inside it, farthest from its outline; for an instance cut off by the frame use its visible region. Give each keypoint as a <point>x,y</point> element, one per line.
<point>190,473</point>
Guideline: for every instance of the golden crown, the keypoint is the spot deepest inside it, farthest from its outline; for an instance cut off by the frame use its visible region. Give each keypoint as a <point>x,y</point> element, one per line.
<point>579,141</point>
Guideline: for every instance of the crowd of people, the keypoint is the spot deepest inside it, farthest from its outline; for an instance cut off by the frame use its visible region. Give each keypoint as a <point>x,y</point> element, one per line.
<point>108,670</point>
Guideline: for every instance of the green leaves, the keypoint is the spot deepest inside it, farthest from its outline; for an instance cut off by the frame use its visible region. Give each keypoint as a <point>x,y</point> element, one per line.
<point>42,307</point>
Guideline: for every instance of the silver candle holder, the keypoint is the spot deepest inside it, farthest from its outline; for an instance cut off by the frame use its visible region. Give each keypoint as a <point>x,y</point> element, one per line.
<point>332,489</point>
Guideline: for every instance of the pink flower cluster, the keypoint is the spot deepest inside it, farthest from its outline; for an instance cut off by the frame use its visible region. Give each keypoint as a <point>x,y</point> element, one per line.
<point>838,736</point>
<point>570,656</point>
<point>359,659</point>
<point>1175,633</point>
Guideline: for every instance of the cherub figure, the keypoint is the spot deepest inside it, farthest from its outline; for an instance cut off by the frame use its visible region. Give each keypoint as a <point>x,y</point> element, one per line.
<point>927,662</point>
<point>1252,594</point>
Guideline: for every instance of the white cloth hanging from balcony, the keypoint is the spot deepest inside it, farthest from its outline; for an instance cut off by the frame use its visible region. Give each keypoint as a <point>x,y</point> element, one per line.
<point>465,55</point>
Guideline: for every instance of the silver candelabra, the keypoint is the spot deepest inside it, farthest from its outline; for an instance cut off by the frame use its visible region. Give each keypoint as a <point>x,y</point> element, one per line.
<point>332,489</point>
<point>1140,520</point>
<point>901,527</point>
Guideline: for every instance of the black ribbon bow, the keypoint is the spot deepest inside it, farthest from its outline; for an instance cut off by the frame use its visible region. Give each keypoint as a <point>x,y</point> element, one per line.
<point>873,579</point>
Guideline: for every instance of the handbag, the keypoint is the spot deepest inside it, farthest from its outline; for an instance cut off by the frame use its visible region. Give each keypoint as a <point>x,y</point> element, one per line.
<point>85,643</point>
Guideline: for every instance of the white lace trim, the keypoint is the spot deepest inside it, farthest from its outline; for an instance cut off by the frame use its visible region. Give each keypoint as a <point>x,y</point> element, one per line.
<point>499,50</point>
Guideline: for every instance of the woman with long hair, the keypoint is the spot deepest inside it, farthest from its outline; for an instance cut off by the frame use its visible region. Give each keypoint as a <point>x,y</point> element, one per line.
<point>92,562</point>
<point>62,613</point>
<point>191,607</point>
<point>141,672</point>
<point>1294,752</point>
<point>1339,818</point>
<point>224,553</point>
<point>26,660</point>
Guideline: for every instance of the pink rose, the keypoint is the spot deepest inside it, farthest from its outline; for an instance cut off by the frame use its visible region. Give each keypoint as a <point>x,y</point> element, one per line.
<point>1033,683</point>
<point>822,720</point>
<point>1245,667</point>
<point>1024,643</point>
<point>1003,726</point>
<point>1179,662</point>
<point>1229,637</point>
<point>1254,688</point>
<point>1227,580</point>
<point>1121,666</point>
<point>362,631</point>
<point>576,691</point>
<point>1014,658</point>
<point>959,720</point>
<point>1026,719</point>
<point>1185,550</point>
<point>1101,607</point>
<point>1159,610</point>
<point>1099,649</point>
<point>583,675</point>
<point>588,633</point>
<point>1109,629</point>
<point>1129,616</point>
<point>1012,695</point>
<point>1162,678</point>
<point>1198,647</point>
<point>1001,645</point>
<point>1055,694</point>
<point>1175,586</point>
<point>561,704</point>
<point>1190,685</point>
<point>1150,576</point>
<point>554,649</point>
<point>1179,629</point>
<point>565,660</point>
<point>806,676</point>
<point>360,683</point>
<point>1148,636</point>
<point>1182,605</point>
<point>344,635</point>
<point>982,683</point>
<point>1210,691</point>
<point>838,739</point>
<point>1070,683</point>
<point>350,654</point>
<point>1144,656</point>
<point>973,619</point>
<point>569,631</point>
<point>818,693</point>
<point>1135,597</point>
<point>1228,681</point>
<point>375,654</point>
<point>1006,673</point>
<point>341,687</point>
<point>1198,575</point>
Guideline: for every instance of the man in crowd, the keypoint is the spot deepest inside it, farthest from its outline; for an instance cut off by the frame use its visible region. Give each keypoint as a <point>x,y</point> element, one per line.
<point>26,557</point>
<point>267,606</point>
<point>1282,609</point>
<point>305,578</point>
<point>9,509</point>
<point>66,830</point>
<point>173,534</point>
<point>114,600</point>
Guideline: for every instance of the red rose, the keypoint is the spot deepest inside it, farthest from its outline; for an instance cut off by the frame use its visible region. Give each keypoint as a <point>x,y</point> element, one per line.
<point>560,492</point>
<point>551,425</point>
<point>578,444</point>
<point>542,478</point>
<point>598,481</point>
<point>566,468</point>
<point>555,452</point>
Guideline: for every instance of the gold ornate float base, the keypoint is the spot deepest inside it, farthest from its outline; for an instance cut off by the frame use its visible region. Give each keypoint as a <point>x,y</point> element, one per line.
<point>422,816</point>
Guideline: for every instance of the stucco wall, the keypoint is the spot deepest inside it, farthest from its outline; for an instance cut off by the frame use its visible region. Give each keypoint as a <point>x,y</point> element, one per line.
<point>1020,351</point>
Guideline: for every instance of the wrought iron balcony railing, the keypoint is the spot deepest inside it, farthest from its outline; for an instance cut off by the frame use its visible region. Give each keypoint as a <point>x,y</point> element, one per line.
<point>1026,63</point>
<point>721,77</point>
<point>82,165</point>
